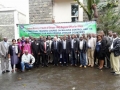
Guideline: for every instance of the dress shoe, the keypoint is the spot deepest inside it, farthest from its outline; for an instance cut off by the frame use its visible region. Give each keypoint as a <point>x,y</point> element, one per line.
<point>75,65</point>
<point>100,68</point>
<point>116,74</point>
<point>80,66</point>
<point>89,65</point>
<point>92,66</point>
<point>3,72</point>
<point>112,72</point>
<point>84,66</point>
<point>7,70</point>
<point>46,65</point>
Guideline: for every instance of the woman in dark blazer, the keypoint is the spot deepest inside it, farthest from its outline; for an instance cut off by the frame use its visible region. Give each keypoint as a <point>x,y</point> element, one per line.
<point>14,54</point>
<point>100,50</point>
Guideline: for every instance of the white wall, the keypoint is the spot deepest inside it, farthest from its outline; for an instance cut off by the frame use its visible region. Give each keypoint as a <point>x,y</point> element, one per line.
<point>62,10</point>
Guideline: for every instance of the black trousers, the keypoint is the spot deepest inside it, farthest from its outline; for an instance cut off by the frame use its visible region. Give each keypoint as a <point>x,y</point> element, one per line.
<point>37,59</point>
<point>108,58</point>
<point>45,59</point>
<point>64,57</point>
<point>55,57</point>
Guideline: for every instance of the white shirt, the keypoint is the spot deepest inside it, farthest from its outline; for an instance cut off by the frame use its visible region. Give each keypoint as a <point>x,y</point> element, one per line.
<point>72,42</point>
<point>64,44</point>
<point>81,45</point>
<point>91,43</point>
<point>45,45</point>
<point>27,58</point>
<point>112,42</point>
<point>50,42</point>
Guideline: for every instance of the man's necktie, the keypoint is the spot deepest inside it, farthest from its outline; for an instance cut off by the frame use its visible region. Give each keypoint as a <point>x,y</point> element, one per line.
<point>45,46</point>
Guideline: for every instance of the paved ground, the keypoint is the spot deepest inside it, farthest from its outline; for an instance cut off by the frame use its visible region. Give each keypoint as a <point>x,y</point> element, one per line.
<point>60,78</point>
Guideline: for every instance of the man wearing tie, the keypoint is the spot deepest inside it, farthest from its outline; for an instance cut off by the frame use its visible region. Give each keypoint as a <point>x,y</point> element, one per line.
<point>74,49</point>
<point>50,58</point>
<point>45,48</point>
<point>55,50</point>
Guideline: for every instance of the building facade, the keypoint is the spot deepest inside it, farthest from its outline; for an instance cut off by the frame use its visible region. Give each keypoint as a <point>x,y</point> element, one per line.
<point>9,18</point>
<point>48,11</point>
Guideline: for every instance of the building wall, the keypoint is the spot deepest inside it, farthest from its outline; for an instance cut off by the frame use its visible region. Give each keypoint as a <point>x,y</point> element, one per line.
<point>62,10</point>
<point>40,11</point>
<point>7,24</point>
<point>21,18</point>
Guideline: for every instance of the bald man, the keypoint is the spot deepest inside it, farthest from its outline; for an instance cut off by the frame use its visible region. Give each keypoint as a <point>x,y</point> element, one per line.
<point>55,48</point>
<point>27,61</point>
<point>4,45</point>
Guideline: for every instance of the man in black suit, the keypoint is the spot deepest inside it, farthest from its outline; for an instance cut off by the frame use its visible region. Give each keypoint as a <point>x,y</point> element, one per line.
<point>36,52</point>
<point>74,50</point>
<point>115,50</point>
<point>45,49</point>
<point>65,51</point>
<point>55,48</point>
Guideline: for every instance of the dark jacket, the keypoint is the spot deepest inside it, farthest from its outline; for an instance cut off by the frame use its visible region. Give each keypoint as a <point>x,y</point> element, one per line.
<point>10,50</point>
<point>42,48</point>
<point>84,46</point>
<point>75,46</point>
<point>58,46</point>
<point>116,47</point>
<point>35,46</point>
<point>67,46</point>
<point>103,45</point>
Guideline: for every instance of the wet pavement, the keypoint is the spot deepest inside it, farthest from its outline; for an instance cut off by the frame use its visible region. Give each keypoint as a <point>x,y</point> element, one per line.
<point>60,78</point>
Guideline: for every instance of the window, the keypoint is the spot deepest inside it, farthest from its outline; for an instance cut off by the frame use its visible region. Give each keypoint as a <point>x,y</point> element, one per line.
<point>74,12</point>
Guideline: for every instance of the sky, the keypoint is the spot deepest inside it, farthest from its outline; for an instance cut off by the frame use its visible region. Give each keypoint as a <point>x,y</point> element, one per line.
<point>20,5</point>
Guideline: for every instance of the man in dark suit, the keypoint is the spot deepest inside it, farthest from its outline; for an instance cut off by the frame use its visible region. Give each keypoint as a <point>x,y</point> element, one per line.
<point>45,48</point>
<point>82,49</point>
<point>109,42</point>
<point>115,49</point>
<point>55,47</point>
<point>40,41</point>
<point>74,50</point>
<point>65,51</point>
<point>36,52</point>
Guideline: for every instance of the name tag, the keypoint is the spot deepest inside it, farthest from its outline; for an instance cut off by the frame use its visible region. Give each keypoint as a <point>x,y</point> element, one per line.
<point>37,44</point>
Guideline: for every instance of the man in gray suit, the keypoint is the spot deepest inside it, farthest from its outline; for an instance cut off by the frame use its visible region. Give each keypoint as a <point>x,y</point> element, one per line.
<point>4,55</point>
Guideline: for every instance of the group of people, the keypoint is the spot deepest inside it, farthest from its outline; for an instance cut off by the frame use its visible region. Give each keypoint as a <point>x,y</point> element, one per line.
<point>75,50</point>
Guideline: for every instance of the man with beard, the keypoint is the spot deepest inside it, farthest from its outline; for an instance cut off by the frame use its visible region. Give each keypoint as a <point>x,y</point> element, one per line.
<point>45,49</point>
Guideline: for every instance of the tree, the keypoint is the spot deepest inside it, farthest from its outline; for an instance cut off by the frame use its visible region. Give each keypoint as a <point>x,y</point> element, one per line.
<point>109,19</point>
<point>90,9</point>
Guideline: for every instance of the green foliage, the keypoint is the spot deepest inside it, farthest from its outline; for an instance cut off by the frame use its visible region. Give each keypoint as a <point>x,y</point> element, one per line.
<point>109,19</point>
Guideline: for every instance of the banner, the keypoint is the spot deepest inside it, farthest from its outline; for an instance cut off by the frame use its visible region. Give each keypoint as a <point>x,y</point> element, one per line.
<point>37,30</point>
